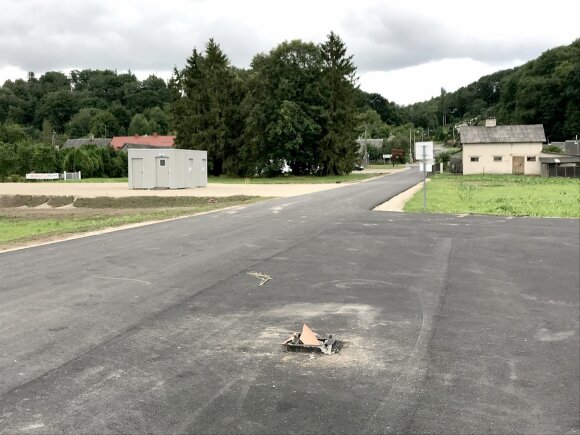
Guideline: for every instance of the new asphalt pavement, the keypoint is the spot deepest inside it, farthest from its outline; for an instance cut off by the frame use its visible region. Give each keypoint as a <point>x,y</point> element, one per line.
<point>451,324</point>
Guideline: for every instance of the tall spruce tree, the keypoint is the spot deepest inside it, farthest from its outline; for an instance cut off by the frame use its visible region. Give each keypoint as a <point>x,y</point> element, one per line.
<point>186,88</point>
<point>338,150</point>
<point>202,105</point>
<point>218,81</point>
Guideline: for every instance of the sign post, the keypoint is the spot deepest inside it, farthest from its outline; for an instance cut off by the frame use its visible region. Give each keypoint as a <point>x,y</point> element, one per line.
<point>424,177</point>
<point>424,153</point>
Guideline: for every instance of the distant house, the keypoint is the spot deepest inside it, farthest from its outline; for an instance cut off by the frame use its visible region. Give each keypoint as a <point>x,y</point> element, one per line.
<point>77,143</point>
<point>502,149</point>
<point>153,141</point>
<point>365,144</point>
<point>141,146</point>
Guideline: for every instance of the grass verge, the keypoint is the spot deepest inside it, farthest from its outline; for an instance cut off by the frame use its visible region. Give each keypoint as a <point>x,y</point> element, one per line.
<point>92,180</point>
<point>283,179</point>
<point>21,225</point>
<point>504,195</point>
<point>387,166</point>
<point>291,179</point>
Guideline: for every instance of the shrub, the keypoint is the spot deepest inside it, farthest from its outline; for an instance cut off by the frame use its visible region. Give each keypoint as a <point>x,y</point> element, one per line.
<point>553,149</point>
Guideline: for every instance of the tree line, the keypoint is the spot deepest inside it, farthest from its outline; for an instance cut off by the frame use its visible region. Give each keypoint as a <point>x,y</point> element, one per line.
<point>18,159</point>
<point>298,104</point>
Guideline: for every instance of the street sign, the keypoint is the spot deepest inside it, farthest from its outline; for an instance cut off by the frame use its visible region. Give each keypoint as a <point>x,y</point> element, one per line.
<point>424,153</point>
<point>387,156</point>
<point>35,176</point>
<point>424,150</point>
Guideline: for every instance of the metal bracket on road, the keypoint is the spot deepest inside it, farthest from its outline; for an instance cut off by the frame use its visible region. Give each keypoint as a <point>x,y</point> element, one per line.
<point>308,341</point>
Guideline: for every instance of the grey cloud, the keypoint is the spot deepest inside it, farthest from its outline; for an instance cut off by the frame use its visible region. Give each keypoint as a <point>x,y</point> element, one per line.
<point>40,35</point>
<point>391,40</point>
<point>89,35</point>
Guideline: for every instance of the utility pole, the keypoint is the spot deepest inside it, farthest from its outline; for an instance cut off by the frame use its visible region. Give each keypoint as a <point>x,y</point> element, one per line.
<point>410,148</point>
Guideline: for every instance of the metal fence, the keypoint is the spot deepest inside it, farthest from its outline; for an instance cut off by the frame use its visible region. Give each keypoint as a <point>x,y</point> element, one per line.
<point>564,171</point>
<point>71,175</point>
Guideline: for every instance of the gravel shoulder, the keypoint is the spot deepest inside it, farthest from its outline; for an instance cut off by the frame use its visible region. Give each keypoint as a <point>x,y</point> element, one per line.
<point>397,203</point>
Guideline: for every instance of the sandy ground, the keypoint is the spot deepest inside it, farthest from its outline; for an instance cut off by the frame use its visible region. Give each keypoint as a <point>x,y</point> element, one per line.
<point>92,190</point>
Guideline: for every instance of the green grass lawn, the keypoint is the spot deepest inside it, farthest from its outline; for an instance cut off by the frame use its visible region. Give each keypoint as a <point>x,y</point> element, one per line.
<point>17,229</point>
<point>284,179</point>
<point>386,166</point>
<point>97,180</point>
<point>504,195</point>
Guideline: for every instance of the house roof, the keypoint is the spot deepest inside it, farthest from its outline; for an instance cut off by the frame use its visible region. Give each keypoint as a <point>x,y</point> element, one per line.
<point>503,134</point>
<point>558,158</point>
<point>159,141</point>
<point>77,143</point>
<point>140,146</point>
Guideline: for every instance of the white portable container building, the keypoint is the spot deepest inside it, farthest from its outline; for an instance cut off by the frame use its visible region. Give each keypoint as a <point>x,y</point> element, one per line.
<point>167,168</point>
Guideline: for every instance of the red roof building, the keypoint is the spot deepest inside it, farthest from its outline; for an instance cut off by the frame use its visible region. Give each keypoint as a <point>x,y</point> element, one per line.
<point>153,141</point>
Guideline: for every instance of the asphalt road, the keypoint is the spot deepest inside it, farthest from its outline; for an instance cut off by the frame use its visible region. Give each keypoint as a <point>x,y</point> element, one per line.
<point>452,324</point>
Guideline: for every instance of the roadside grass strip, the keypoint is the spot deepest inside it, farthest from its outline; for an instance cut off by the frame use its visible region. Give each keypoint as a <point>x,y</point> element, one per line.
<point>502,195</point>
<point>224,179</point>
<point>22,223</point>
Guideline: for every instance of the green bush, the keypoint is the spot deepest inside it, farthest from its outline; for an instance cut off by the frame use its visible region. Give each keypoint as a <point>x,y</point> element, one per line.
<point>553,149</point>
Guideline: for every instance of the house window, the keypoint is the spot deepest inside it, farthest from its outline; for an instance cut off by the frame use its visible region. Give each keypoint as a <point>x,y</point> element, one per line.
<point>531,158</point>
<point>474,158</point>
<point>161,162</point>
<point>497,158</point>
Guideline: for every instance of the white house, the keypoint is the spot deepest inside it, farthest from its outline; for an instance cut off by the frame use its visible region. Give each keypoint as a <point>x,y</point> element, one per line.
<point>502,149</point>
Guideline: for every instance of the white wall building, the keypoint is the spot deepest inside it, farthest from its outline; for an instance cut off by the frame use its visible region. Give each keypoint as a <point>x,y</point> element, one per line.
<point>504,149</point>
<point>167,168</point>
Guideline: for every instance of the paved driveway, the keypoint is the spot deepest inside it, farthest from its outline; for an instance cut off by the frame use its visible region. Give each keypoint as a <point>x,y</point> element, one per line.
<point>452,324</point>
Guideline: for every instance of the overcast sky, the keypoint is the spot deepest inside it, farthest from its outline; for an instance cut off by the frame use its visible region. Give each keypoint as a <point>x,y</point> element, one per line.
<point>405,50</point>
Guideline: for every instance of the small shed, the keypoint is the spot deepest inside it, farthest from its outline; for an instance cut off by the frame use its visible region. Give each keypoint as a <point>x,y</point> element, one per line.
<point>167,168</point>
<point>560,165</point>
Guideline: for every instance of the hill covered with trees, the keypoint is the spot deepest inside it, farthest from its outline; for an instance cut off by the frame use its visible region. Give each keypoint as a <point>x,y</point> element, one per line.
<point>544,91</point>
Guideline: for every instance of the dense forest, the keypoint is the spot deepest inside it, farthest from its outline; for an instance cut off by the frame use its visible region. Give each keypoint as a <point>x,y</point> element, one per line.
<point>297,104</point>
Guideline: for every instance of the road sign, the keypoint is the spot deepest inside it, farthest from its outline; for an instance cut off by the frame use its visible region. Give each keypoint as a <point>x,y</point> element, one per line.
<point>424,150</point>
<point>35,176</point>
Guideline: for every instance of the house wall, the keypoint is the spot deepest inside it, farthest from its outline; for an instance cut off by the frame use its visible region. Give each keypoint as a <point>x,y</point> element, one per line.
<point>507,151</point>
<point>187,168</point>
